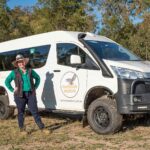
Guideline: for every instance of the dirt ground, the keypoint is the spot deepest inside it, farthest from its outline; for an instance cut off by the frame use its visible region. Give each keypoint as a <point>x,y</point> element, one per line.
<point>68,134</point>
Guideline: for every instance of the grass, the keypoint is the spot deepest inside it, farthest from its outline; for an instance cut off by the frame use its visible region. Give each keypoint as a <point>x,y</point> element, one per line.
<point>69,134</point>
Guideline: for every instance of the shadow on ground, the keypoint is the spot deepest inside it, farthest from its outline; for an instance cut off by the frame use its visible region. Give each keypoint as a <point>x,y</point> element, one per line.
<point>132,123</point>
<point>66,118</point>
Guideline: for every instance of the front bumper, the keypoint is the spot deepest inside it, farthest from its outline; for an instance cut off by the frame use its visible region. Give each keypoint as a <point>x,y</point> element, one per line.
<point>133,96</point>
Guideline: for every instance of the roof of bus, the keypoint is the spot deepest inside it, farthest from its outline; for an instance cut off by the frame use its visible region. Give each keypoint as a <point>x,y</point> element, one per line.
<point>48,38</point>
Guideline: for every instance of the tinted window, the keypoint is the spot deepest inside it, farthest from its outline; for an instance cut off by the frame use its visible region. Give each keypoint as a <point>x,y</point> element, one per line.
<point>37,55</point>
<point>65,50</point>
<point>112,51</point>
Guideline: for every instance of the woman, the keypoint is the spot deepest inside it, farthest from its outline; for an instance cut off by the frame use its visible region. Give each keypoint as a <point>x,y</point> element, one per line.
<point>24,91</point>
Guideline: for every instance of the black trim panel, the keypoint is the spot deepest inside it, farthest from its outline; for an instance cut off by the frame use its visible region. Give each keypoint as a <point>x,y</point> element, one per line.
<point>105,71</point>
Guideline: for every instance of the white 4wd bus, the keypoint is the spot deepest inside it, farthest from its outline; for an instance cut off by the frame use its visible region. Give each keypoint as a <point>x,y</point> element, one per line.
<point>81,72</point>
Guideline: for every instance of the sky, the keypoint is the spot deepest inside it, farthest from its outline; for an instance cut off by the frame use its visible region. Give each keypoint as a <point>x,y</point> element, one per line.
<point>24,3</point>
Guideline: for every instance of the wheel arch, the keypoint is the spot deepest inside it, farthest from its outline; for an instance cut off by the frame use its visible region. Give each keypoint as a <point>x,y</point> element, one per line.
<point>94,93</point>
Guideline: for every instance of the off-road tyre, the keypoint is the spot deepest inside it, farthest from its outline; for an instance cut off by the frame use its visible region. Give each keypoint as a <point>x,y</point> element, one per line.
<point>103,117</point>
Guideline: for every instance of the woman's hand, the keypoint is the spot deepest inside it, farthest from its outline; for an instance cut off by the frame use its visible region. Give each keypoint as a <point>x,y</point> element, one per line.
<point>16,89</point>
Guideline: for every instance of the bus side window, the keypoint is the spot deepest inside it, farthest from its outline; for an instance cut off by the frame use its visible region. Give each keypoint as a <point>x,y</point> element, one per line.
<point>37,59</point>
<point>65,50</point>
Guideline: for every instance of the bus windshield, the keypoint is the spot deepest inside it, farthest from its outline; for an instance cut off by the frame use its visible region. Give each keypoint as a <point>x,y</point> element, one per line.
<point>112,51</point>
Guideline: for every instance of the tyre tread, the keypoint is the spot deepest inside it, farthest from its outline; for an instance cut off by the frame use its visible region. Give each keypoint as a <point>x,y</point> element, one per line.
<point>111,105</point>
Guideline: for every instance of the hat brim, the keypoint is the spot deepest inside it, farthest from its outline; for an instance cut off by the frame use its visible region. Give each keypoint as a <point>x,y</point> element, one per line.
<point>15,63</point>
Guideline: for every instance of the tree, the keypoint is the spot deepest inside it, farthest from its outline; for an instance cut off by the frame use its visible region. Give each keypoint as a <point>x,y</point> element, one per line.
<point>21,19</point>
<point>139,42</point>
<point>45,16</point>
<point>51,15</point>
<point>5,20</point>
<point>14,23</point>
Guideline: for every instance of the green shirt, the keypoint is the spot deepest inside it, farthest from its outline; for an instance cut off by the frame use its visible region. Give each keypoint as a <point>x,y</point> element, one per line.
<point>25,78</point>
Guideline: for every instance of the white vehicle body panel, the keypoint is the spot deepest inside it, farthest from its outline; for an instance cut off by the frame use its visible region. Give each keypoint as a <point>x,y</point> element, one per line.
<point>56,90</point>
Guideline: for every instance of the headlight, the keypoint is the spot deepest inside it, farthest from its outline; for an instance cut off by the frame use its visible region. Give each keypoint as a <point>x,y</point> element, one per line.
<point>127,73</point>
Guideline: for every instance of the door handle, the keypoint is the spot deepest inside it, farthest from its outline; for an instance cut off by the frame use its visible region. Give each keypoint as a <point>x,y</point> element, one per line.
<point>56,70</point>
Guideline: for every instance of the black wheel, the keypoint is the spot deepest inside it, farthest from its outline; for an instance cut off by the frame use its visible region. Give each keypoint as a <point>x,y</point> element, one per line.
<point>103,117</point>
<point>5,110</point>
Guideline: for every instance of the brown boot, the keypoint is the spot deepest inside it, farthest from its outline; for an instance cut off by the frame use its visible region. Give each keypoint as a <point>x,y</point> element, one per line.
<point>46,131</point>
<point>23,132</point>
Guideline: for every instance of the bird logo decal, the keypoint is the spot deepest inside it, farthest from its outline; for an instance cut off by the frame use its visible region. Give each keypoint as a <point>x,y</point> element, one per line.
<point>70,84</point>
<point>71,80</point>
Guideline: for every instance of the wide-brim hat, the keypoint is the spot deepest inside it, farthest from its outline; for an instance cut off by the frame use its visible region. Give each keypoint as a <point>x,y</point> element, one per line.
<point>20,58</point>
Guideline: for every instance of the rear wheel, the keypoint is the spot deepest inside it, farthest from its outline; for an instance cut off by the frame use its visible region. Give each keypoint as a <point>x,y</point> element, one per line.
<point>5,110</point>
<point>103,117</point>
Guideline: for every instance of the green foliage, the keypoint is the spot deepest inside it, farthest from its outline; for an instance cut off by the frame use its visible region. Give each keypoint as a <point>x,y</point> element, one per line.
<point>140,41</point>
<point>5,20</point>
<point>61,15</point>
<point>13,23</point>
<point>45,16</point>
<point>21,23</point>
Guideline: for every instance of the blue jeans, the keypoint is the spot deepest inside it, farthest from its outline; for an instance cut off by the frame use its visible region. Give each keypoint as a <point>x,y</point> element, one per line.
<point>29,99</point>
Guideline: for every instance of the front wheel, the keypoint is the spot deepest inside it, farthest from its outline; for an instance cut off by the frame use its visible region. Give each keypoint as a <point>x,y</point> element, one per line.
<point>103,117</point>
<point>5,110</point>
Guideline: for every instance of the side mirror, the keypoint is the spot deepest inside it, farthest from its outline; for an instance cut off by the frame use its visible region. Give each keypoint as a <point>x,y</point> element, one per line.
<point>75,59</point>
